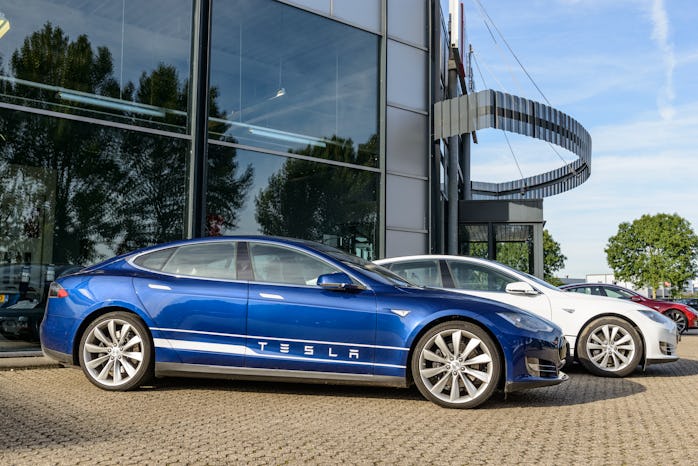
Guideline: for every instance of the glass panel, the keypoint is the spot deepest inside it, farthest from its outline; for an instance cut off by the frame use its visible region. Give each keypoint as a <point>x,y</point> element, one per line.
<point>255,193</point>
<point>477,277</point>
<point>425,273</point>
<point>72,194</point>
<point>215,260</point>
<point>514,246</point>
<point>154,260</point>
<point>122,60</point>
<point>274,264</point>
<point>614,293</point>
<point>472,240</point>
<point>289,80</point>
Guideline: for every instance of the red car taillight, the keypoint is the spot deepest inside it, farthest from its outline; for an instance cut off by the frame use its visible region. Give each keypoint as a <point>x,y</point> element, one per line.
<point>57,291</point>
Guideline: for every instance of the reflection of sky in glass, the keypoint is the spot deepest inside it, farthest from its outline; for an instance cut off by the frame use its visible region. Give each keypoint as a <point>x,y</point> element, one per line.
<point>153,31</point>
<point>301,74</point>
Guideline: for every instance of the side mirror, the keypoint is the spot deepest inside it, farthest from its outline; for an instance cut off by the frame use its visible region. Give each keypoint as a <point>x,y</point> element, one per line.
<point>636,299</point>
<point>521,288</point>
<point>337,282</point>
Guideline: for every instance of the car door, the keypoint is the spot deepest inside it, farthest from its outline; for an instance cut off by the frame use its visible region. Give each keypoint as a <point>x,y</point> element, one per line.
<point>294,324</point>
<point>197,302</point>
<point>488,282</point>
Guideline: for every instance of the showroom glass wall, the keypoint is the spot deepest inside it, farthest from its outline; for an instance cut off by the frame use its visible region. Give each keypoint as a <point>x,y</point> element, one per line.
<point>95,134</point>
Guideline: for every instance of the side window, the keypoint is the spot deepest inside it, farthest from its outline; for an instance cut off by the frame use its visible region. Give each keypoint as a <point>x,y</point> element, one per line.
<point>277,264</point>
<point>206,260</point>
<point>154,260</point>
<point>582,290</point>
<point>423,272</point>
<point>478,278</point>
<point>614,293</point>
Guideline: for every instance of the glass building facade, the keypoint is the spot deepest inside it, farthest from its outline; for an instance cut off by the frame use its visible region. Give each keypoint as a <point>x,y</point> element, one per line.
<point>125,124</point>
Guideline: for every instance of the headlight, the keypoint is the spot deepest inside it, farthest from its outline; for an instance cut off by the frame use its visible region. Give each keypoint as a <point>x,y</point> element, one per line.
<point>526,321</point>
<point>656,316</point>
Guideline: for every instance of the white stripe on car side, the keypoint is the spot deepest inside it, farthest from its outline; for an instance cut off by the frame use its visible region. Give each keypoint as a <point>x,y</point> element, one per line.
<point>233,335</point>
<point>244,351</point>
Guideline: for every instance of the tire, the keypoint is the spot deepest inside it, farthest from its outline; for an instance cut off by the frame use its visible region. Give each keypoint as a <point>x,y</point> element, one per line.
<point>610,347</point>
<point>116,352</point>
<point>678,317</point>
<point>475,366</point>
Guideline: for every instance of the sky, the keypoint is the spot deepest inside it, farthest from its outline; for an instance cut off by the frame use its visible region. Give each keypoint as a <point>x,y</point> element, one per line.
<point>627,70</point>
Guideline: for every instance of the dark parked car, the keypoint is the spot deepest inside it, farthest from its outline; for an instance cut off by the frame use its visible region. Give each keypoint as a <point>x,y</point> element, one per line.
<point>23,292</point>
<point>271,308</point>
<point>684,316</point>
<point>692,302</point>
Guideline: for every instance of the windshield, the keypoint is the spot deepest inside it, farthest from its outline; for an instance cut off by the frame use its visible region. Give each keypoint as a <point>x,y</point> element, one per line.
<point>379,274</point>
<point>537,280</point>
<point>373,271</point>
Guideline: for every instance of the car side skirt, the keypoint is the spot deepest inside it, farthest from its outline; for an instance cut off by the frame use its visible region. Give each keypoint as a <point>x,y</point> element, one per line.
<point>164,369</point>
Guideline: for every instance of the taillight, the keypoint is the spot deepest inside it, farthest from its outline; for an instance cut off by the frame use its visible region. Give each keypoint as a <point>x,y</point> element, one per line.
<point>57,291</point>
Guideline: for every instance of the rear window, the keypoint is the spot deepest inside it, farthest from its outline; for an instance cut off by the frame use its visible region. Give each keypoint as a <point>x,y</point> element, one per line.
<point>154,260</point>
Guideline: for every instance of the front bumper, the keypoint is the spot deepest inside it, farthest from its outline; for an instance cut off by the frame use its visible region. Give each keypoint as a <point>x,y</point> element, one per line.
<point>538,364</point>
<point>661,342</point>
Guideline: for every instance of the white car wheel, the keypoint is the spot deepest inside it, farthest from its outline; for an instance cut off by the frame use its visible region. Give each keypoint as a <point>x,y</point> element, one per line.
<point>610,347</point>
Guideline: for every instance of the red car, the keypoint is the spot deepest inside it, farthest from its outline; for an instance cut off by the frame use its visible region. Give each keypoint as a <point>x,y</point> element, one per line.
<point>684,316</point>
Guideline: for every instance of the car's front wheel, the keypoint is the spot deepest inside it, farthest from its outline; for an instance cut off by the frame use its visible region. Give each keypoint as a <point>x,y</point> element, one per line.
<point>456,365</point>
<point>610,347</point>
<point>116,352</point>
<point>678,317</point>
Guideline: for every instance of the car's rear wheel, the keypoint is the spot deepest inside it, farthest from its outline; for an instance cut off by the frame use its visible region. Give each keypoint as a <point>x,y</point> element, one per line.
<point>456,365</point>
<point>116,352</point>
<point>678,317</point>
<point>610,347</point>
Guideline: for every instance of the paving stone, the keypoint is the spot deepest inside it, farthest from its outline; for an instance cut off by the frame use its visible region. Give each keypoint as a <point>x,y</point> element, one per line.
<point>55,416</point>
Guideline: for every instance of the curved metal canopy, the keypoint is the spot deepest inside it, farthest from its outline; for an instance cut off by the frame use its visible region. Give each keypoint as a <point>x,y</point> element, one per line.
<point>493,109</point>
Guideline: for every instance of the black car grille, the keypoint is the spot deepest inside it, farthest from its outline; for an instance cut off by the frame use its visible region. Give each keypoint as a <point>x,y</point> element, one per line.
<point>542,367</point>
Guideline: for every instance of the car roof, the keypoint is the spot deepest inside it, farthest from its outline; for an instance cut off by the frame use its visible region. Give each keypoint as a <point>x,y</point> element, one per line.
<point>433,256</point>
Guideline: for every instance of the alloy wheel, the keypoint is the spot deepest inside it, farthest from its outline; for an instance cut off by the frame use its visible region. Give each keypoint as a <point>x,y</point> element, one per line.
<point>610,347</point>
<point>456,366</point>
<point>113,351</point>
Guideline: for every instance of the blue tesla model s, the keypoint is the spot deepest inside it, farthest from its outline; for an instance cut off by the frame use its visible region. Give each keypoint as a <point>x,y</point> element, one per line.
<point>258,307</point>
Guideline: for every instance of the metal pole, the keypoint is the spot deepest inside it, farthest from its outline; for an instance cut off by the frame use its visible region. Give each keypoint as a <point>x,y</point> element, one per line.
<point>195,217</point>
<point>453,156</point>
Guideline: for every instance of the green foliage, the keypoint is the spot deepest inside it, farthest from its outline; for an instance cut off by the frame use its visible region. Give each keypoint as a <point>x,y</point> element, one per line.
<point>652,250</point>
<point>553,258</point>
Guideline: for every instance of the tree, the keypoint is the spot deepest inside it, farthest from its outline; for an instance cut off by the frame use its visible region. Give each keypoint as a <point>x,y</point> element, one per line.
<point>553,258</point>
<point>652,250</point>
<point>517,254</point>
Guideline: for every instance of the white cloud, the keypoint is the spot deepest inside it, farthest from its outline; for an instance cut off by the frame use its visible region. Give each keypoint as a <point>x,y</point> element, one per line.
<point>660,34</point>
<point>642,167</point>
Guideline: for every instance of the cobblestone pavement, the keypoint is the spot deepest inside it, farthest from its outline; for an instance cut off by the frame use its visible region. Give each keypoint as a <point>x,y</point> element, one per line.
<point>55,416</point>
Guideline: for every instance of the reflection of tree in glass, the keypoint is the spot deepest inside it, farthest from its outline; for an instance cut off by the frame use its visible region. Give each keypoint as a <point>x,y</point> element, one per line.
<point>114,188</point>
<point>73,153</point>
<point>318,201</point>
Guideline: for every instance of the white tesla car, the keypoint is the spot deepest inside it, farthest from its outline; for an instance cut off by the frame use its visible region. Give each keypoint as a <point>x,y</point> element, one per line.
<point>609,337</point>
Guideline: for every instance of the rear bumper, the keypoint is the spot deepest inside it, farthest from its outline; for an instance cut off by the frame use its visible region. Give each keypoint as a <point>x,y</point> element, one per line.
<point>58,356</point>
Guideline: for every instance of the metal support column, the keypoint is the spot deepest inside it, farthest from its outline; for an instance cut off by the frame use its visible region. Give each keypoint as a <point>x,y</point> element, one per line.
<point>453,156</point>
<point>195,215</point>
